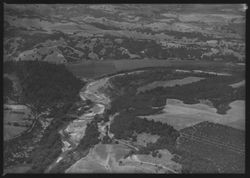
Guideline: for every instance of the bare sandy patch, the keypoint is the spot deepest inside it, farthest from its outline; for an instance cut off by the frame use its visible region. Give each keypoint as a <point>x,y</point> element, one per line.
<point>76,130</point>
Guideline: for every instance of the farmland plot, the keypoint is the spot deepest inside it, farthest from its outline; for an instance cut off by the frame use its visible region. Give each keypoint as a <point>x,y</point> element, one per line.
<point>110,158</point>
<point>165,159</point>
<point>222,148</point>
<point>181,115</point>
<point>16,120</point>
<point>169,83</point>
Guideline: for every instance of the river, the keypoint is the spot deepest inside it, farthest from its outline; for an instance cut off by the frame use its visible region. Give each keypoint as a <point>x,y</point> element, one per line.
<point>93,91</point>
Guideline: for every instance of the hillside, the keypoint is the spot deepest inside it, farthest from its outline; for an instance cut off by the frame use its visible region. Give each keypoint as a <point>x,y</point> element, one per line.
<point>46,92</point>
<point>76,33</point>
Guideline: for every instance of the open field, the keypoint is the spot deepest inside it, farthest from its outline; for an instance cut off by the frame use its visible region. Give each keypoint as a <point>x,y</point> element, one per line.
<point>16,120</point>
<point>144,138</point>
<point>181,115</point>
<point>169,83</point>
<point>98,160</point>
<point>164,160</point>
<point>12,131</point>
<point>18,169</point>
<point>110,158</point>
<point>238,84</point>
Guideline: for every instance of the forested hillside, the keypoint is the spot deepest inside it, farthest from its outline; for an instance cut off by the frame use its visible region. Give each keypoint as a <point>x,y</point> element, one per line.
<point>44,85</point>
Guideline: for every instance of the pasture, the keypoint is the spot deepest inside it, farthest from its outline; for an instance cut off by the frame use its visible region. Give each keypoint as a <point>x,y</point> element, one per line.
<point>17,119</point>
<point>169,83</point>
<point>181,115</point>
<point>100,159</point>
<point>23,168</point>
<point>144,138</point>
<point>166,159</point>
<point>110,158</point>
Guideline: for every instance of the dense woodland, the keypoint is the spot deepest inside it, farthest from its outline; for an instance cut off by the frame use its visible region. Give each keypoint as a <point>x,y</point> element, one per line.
<point>49,148</point>
<point>214,88</point>
<point>90,137</point>
<point>7,88</point>
<point>44,85</point>
<point>127,126</point>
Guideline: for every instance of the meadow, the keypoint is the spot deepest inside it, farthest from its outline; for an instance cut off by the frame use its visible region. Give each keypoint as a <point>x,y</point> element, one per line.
<point>16,121</point>
<point>181,115</point>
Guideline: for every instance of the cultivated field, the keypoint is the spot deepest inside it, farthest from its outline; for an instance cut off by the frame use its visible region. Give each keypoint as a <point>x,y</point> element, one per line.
<point>110,158</point>
<point>221,148</point>
<point>169,83</point>
<point>99,159</point>
<point>18,169</point>
<point>164,160</point>
<point>181,115</point>
<point>17,119</point>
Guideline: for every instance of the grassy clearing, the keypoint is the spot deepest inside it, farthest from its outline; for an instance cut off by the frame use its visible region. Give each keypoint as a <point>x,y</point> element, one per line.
<point>165,159</point>
<point>18,169</point>
<point>109,158</point>
<point>169,83</point>
<point>16,121</point>
<point>86,165</point>
<point>238,84</point>
<point>181,115</point>
<point>117,151</point>
<point>144,138</point>
<point>100,150</point>
<point>12,131</point>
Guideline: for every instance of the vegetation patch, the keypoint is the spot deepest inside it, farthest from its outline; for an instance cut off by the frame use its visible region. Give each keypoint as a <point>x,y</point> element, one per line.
<point>218,148</point>
<point>44,85</point>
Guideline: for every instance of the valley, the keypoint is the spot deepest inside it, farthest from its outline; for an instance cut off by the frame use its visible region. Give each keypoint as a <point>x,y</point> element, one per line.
<point>124,88</point>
